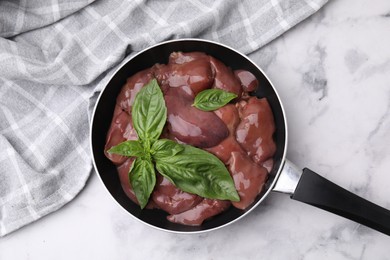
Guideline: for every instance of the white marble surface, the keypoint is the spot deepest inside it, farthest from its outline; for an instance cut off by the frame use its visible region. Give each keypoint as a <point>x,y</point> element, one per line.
<point>333,75</point>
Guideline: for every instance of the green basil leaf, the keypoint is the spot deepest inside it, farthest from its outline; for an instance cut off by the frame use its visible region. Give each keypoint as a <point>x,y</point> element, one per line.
<point>149,112</point>
<point>128,148</point>
<point>163,148</point>
<point>196,171</point>
<point>142,179</point>
<point>212,99</point>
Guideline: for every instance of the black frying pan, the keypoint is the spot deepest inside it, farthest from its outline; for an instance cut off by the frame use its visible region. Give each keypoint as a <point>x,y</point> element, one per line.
<point>305,186</point>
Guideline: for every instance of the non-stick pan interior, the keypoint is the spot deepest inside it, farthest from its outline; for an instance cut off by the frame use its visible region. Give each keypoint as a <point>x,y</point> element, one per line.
<point>105,108</point>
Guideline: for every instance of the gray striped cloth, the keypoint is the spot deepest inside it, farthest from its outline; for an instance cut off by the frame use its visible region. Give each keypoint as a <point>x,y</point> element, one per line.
<point>56,55</point>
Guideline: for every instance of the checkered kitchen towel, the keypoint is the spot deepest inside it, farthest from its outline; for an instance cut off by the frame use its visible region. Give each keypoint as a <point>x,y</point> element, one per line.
<point>56,55</point>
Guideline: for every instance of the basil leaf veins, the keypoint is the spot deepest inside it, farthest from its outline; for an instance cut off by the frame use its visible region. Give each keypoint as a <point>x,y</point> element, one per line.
<point>128,148</point>
<point>143,179</point>
<point>196,171</point>
<point>149,112</point>
<point>212,99</point>
<point>164,148</point>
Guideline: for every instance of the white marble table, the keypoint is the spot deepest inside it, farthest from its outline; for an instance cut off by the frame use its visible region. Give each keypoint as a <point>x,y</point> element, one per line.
<point>333,75</point>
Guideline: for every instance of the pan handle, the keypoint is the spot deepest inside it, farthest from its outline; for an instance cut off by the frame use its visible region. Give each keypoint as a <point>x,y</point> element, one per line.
<point>315,190</point>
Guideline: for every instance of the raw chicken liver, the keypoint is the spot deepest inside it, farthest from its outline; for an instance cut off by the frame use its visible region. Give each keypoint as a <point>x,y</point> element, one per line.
<point>169,198</point>
<point>192,70</point>
<point>248,177</point>
<point>240,134</point>
<point>248,81</point>
<point>229,115</point>
<point>191,125</point>
<point>121,130</point>
<point>225,78</point>
<point>133,85</point>
<point>205,209</point>
<point>256,129</point>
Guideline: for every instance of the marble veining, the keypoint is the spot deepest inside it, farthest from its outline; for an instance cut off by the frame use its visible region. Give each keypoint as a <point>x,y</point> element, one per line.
<point>386,15</point>
<point>354,59</point>
<point>315,77</point>
<point>332,74</point>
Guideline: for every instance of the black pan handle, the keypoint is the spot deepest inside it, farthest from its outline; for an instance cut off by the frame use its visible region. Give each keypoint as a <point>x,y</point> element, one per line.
<point>315,190</point>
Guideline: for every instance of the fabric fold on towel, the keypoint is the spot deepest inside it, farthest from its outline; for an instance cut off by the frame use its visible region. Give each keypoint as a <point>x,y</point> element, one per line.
<point>55,58</point>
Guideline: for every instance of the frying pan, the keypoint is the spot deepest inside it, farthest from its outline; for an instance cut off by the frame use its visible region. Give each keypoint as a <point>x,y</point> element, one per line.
<point>302,185</point>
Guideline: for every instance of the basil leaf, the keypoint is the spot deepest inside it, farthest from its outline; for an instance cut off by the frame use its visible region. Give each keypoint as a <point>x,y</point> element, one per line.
<point>128,148</point>
<point>196,171</point>
<point>149,112</point>
<point>212,99</point>
<point>142,179</point>
<point>163,148</point>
